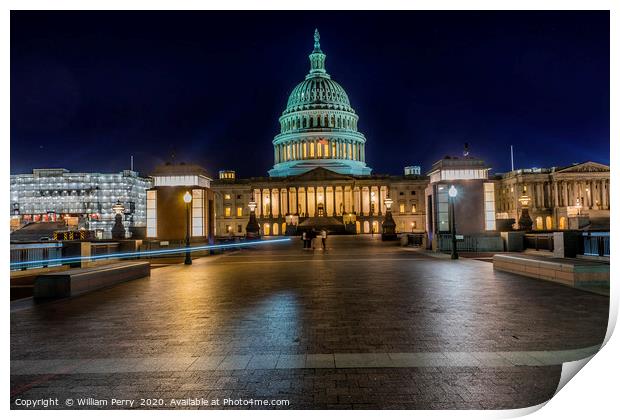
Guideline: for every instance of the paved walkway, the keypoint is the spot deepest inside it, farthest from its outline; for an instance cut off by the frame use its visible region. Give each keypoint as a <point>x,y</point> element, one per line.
<point>364,324</point>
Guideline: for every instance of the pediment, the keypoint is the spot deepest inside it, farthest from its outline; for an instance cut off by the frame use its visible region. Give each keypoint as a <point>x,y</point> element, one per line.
<point>585,167</point>
<point>320,174</point>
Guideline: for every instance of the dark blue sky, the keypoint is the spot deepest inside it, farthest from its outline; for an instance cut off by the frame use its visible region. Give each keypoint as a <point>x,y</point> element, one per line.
<point>88,89</point>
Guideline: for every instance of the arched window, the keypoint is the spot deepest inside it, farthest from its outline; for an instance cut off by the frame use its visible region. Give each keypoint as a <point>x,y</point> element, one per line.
<point>562,223</point>
<point>549,222</point>
<point>333,121</point>
<point>266,230</point>
<point>539,223</point>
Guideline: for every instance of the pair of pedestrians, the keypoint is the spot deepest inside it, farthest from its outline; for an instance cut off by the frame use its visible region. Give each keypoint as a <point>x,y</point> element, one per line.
<point>308,238</point>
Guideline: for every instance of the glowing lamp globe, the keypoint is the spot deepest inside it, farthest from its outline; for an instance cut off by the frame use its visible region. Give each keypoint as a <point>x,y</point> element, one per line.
<point>388,203</point>
<point>118,208</point>
<point>452,192</point>
<point>252,205</point>
<point>187,197</point>
<point>524,200</point>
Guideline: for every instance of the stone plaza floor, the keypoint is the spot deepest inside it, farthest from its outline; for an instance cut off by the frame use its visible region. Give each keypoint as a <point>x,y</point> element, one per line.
<point>364,324</point>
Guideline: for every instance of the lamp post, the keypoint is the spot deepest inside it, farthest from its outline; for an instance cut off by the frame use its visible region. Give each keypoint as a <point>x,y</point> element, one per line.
<point>118,230</point>
<point>252,230</point>
<point>187,197</point>
<point>389,225</point>
<point>452,193</point>
<point>525,221</point>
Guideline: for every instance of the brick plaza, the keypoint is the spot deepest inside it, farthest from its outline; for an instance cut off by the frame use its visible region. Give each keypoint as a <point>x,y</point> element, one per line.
<point>365,324</point>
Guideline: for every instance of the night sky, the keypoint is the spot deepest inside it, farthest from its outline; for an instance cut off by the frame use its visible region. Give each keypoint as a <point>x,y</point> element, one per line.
<point>89,89</point>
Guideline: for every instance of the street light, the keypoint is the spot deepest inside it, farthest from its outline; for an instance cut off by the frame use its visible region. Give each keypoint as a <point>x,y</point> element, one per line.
<point>187,197</point>
<point>525,221</point>
<point>389,225</point>
<point>252,230</point>
<point>118,230</point>
<point>452,193</point>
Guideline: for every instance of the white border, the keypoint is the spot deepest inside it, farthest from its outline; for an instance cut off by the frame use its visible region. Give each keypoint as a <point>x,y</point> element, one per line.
<point>592,394</point>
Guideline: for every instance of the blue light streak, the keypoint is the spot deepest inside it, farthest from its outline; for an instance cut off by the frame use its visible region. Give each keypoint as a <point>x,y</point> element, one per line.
<point>147,253</point>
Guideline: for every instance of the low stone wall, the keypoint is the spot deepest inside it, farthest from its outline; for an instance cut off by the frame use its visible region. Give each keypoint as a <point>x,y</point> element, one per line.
<point>567,271</point>
<point>82,280</point>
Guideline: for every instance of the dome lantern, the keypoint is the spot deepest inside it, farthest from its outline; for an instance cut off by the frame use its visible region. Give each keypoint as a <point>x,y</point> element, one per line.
<point>317,58</point>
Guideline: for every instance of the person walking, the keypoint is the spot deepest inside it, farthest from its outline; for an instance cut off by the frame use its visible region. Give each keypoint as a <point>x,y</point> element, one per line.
<point>323,238</point>
<point>312,236</point>
<point>304,237</point>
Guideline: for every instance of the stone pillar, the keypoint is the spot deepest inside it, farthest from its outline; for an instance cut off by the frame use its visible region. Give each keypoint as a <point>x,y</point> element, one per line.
<point>380,200</point>
<point>270,203</point>
<point>334,209</point>
<point>555,194</point>
<point>541,198</point>
<point>288,200</point>
<point>306,201</point>
<point>315,188</point>
<point>564,194</point>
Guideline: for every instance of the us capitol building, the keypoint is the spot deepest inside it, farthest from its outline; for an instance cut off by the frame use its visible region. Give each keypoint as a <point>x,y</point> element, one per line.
<point>320,180</point>
<point>320,177</point>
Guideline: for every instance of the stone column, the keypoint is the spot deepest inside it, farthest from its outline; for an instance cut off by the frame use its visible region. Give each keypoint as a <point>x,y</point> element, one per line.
<point>288,200</point>
<point>541,195</point>
<point>380,201</point>
<point>315,199</point>
<point>306,201</point>
<point>334,209</point>
<point>555,194</point>
<point>564,194</point>
<point>262,209</point>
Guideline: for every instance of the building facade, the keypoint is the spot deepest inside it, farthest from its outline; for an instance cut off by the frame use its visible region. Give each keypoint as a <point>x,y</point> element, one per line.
<point>180,204</point>
<point>578,192</point>
<point>82,199</point>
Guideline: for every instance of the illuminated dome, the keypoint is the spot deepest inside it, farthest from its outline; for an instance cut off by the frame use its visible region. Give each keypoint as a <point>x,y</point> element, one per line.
<point>318,128</point>
<point>315,93</point>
